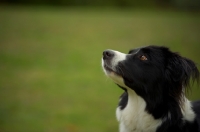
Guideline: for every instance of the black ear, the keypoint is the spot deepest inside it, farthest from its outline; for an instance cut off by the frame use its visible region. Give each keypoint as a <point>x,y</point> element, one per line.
<point>191,72</point>
<point>180,71</point>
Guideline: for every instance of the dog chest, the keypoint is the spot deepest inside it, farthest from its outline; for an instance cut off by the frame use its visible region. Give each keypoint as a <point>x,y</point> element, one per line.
<point>134,118</point>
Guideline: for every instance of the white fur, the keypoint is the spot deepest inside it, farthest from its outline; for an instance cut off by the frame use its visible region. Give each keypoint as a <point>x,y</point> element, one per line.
<point>188,113</point>
<point>134,118</point>
<point>117,58</point>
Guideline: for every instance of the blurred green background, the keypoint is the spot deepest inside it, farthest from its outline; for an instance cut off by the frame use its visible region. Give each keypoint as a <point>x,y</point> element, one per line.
<point>51,78</point>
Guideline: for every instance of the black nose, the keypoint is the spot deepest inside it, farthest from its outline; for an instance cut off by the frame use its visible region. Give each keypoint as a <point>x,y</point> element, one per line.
<point>108,54</point>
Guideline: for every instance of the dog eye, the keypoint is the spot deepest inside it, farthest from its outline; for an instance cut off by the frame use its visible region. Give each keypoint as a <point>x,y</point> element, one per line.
<point>143,58</point>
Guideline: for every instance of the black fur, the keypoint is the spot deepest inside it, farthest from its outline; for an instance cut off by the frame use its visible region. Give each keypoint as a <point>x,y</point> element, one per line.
<point>161,81</point>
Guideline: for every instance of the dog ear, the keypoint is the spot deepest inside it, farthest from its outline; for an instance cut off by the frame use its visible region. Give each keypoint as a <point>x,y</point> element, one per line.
<point>191,72</point>
<point>179,73</point>
<point>181,70</point>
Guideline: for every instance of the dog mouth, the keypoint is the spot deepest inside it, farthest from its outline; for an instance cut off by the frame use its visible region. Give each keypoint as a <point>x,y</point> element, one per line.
<point>108,68</point>
<point>114,73</point>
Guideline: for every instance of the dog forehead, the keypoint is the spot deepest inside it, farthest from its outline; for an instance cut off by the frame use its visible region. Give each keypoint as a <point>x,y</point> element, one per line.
<point>146,50</point>
<point>134,51</point>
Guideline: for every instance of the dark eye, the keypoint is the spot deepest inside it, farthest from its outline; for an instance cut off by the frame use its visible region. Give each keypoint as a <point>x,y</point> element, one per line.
<point>143,58</point>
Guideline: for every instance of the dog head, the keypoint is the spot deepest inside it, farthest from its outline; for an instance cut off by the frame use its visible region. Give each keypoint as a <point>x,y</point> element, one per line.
<point>153,72</point>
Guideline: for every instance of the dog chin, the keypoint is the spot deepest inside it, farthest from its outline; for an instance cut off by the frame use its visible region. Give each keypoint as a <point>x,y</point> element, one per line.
<point>115,77</point>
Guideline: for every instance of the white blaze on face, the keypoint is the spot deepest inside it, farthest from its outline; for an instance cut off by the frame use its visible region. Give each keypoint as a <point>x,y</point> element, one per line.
<point>118,56</point>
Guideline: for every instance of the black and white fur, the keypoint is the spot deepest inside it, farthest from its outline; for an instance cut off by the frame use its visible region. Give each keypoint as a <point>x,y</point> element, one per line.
<point>154,81</point>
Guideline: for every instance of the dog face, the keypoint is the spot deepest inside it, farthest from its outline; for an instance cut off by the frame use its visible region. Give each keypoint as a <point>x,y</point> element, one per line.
<point>138,67</point>
<point>154,73</point>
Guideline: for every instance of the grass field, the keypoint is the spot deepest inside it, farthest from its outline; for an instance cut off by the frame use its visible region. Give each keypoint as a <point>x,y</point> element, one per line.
<point>50,73</point>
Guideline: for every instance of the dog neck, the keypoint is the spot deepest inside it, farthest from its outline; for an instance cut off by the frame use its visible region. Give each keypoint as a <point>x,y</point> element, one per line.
<point>134,118</point>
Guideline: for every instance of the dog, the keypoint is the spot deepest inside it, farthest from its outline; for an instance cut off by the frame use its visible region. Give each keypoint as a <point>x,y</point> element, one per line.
<point>154,80</point>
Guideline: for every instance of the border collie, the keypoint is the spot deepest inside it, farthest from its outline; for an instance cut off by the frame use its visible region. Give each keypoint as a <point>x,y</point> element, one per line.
<point>154,81</point>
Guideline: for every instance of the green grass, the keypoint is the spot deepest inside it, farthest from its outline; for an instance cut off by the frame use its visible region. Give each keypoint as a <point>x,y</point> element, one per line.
<point>50,62</point>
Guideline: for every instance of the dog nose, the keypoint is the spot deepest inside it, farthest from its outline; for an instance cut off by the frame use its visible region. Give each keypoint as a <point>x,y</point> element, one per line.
<point>108,54</point>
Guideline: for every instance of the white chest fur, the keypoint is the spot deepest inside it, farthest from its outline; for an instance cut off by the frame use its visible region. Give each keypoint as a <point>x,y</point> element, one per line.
<point>134,118</point>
